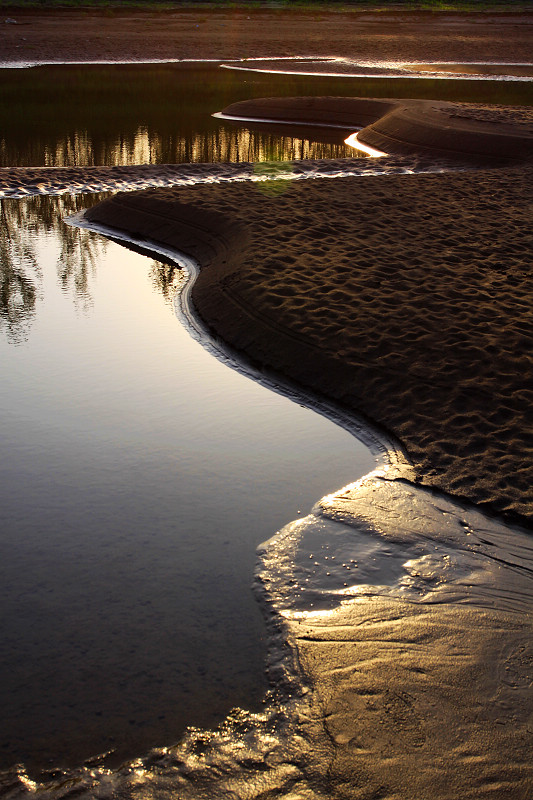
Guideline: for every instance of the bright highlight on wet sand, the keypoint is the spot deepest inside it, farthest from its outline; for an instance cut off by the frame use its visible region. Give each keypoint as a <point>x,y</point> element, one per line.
<point>354,142</point>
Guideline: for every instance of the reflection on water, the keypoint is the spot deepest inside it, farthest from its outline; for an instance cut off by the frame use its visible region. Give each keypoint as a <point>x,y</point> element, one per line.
<point>142,474</point>
<point>147,114</point>
<point>147,147</point>
<point>123,115</point>
<point>19,275</point>
<point>20,272</point>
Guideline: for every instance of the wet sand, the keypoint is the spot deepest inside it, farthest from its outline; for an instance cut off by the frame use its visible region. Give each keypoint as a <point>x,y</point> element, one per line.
<point>407,299</point>
<point>85,34</point>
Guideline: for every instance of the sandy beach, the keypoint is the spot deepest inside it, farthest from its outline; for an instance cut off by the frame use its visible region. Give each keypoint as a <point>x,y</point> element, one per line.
<point>405,299</point>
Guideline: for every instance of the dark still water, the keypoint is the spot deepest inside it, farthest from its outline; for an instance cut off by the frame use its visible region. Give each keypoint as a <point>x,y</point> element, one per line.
<point>161,113</point>
<point>138,476</point>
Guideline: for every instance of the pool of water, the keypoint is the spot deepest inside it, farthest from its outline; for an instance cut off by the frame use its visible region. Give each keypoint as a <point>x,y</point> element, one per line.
<point>141,476</point>
<point>161,113</point>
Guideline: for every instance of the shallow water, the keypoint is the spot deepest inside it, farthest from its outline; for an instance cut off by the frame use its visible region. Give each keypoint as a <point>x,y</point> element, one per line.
<point>396,540</point>
<point>142,474</point>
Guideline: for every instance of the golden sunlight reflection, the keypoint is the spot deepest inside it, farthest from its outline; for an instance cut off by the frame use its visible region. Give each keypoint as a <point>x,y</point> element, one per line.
<point>369,480</point>
<point>473,68</point>
<point>74,150</point>
<point>353,141</point>
<point>235,145</point>
<point>357,594</point>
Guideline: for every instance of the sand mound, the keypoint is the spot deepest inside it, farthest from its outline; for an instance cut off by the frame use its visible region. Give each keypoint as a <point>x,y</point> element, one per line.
<point>457,131</point>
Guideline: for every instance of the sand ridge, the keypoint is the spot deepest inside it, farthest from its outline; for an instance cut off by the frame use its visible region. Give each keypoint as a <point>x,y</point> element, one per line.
<point>459,131</point>
<point>404,298</point>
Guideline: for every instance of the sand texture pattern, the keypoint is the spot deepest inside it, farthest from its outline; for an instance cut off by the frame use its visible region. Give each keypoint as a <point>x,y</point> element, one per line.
<point>419,702</point>
<point>420,668</point>
<point>405,298</point>
<point>86,34</point>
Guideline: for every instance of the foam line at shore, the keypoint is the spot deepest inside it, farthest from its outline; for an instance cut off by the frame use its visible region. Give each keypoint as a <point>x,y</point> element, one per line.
<point>29,64</point>
<point>386,70</point>
<point>348,68</point>
<point>266,120</point>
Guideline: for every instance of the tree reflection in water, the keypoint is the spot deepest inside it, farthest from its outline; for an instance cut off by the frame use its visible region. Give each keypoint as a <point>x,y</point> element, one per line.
<point>168,278</point>
<point>20,276</point>
<point>21,281</point>
<point>82,148</point>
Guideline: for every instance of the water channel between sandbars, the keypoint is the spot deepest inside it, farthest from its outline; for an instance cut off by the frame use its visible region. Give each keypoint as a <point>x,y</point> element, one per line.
<point>143,473</point>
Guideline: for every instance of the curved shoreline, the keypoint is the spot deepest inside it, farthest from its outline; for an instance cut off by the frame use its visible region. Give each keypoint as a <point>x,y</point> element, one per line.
<point>391,460</point>
<point>403,127</point>
<point>464,580</point>
<point>401,685</point>
<point>438,363</point>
